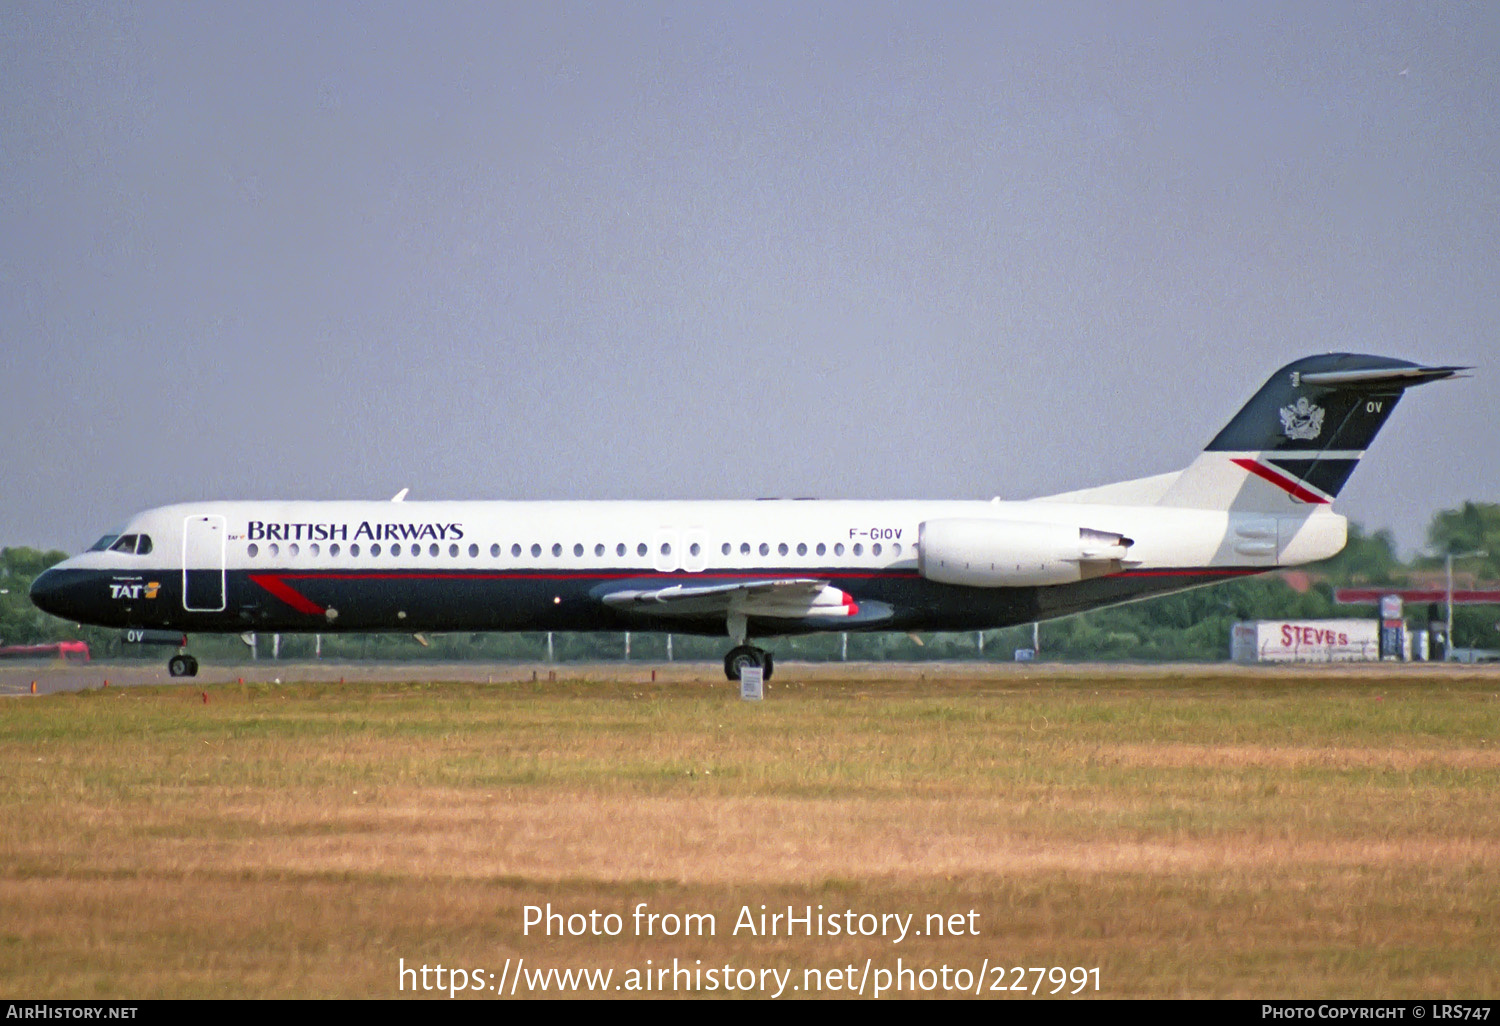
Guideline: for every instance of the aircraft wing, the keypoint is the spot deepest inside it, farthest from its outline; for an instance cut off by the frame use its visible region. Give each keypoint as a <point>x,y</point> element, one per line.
<point>781,598</point>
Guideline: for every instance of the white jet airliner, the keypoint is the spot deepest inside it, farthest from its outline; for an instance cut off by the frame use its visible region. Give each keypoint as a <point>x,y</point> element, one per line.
<point>1256,499</point>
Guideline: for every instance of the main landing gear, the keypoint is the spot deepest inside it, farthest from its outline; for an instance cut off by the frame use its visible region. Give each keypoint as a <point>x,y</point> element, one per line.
<point>742,657</point>
<point>182,665</point>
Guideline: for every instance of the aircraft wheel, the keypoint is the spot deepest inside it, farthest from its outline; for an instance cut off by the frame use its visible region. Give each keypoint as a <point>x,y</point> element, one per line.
<point>742,657</point>
<point>767,664</point>
<point>192,667</point>
<point>180,666</point>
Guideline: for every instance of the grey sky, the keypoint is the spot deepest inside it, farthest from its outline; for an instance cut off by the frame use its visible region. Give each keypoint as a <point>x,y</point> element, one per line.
<point>723,251</point>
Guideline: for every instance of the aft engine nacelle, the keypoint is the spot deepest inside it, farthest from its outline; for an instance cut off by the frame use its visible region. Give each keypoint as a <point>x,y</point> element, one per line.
<point>1016,554</point>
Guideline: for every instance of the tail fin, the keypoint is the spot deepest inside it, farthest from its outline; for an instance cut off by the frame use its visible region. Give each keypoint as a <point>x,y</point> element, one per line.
<point>1296,442</point>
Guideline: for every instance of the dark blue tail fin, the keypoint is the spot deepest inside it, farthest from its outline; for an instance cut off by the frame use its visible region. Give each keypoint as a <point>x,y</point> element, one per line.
<point>1300,437</point>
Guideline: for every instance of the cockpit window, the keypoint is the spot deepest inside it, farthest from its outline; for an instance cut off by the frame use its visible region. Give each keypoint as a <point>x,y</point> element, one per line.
<point>130,544</point>
<point>143,546</point>
<point>103,543</point>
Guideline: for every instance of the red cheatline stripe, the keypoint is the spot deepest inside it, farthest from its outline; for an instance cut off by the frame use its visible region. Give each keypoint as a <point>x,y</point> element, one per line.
<point>1286,484</point>
<point>1193,573</point>
<point>680,575</point>
<point>276,586</point>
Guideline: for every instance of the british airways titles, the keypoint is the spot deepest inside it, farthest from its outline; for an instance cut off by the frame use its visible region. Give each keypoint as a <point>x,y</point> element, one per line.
<point>259,530</point>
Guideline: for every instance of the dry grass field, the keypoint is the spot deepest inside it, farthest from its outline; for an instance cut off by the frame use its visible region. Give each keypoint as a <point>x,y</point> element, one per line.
<point>1190,831</point>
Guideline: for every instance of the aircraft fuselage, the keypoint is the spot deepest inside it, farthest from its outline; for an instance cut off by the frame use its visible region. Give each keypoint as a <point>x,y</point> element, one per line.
<point>494,566</point>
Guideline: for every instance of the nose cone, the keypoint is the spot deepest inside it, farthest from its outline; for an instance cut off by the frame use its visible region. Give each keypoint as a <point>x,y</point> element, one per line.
<point>64,591</point>
<point>47,593</point>
<point>81,594</point>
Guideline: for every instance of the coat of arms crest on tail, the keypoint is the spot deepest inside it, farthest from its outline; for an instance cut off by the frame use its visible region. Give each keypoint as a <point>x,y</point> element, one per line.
<point>1302,420</point>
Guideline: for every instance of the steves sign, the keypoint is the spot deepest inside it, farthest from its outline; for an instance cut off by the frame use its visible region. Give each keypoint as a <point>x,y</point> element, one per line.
<point>1305,641</point>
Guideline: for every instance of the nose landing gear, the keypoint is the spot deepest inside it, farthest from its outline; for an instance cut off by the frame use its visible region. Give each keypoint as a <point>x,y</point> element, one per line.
<point>181,664</point>
<point>742,657</point>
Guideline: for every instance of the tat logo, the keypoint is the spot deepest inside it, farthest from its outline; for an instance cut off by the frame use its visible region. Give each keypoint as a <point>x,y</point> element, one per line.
<point>134,591</point>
